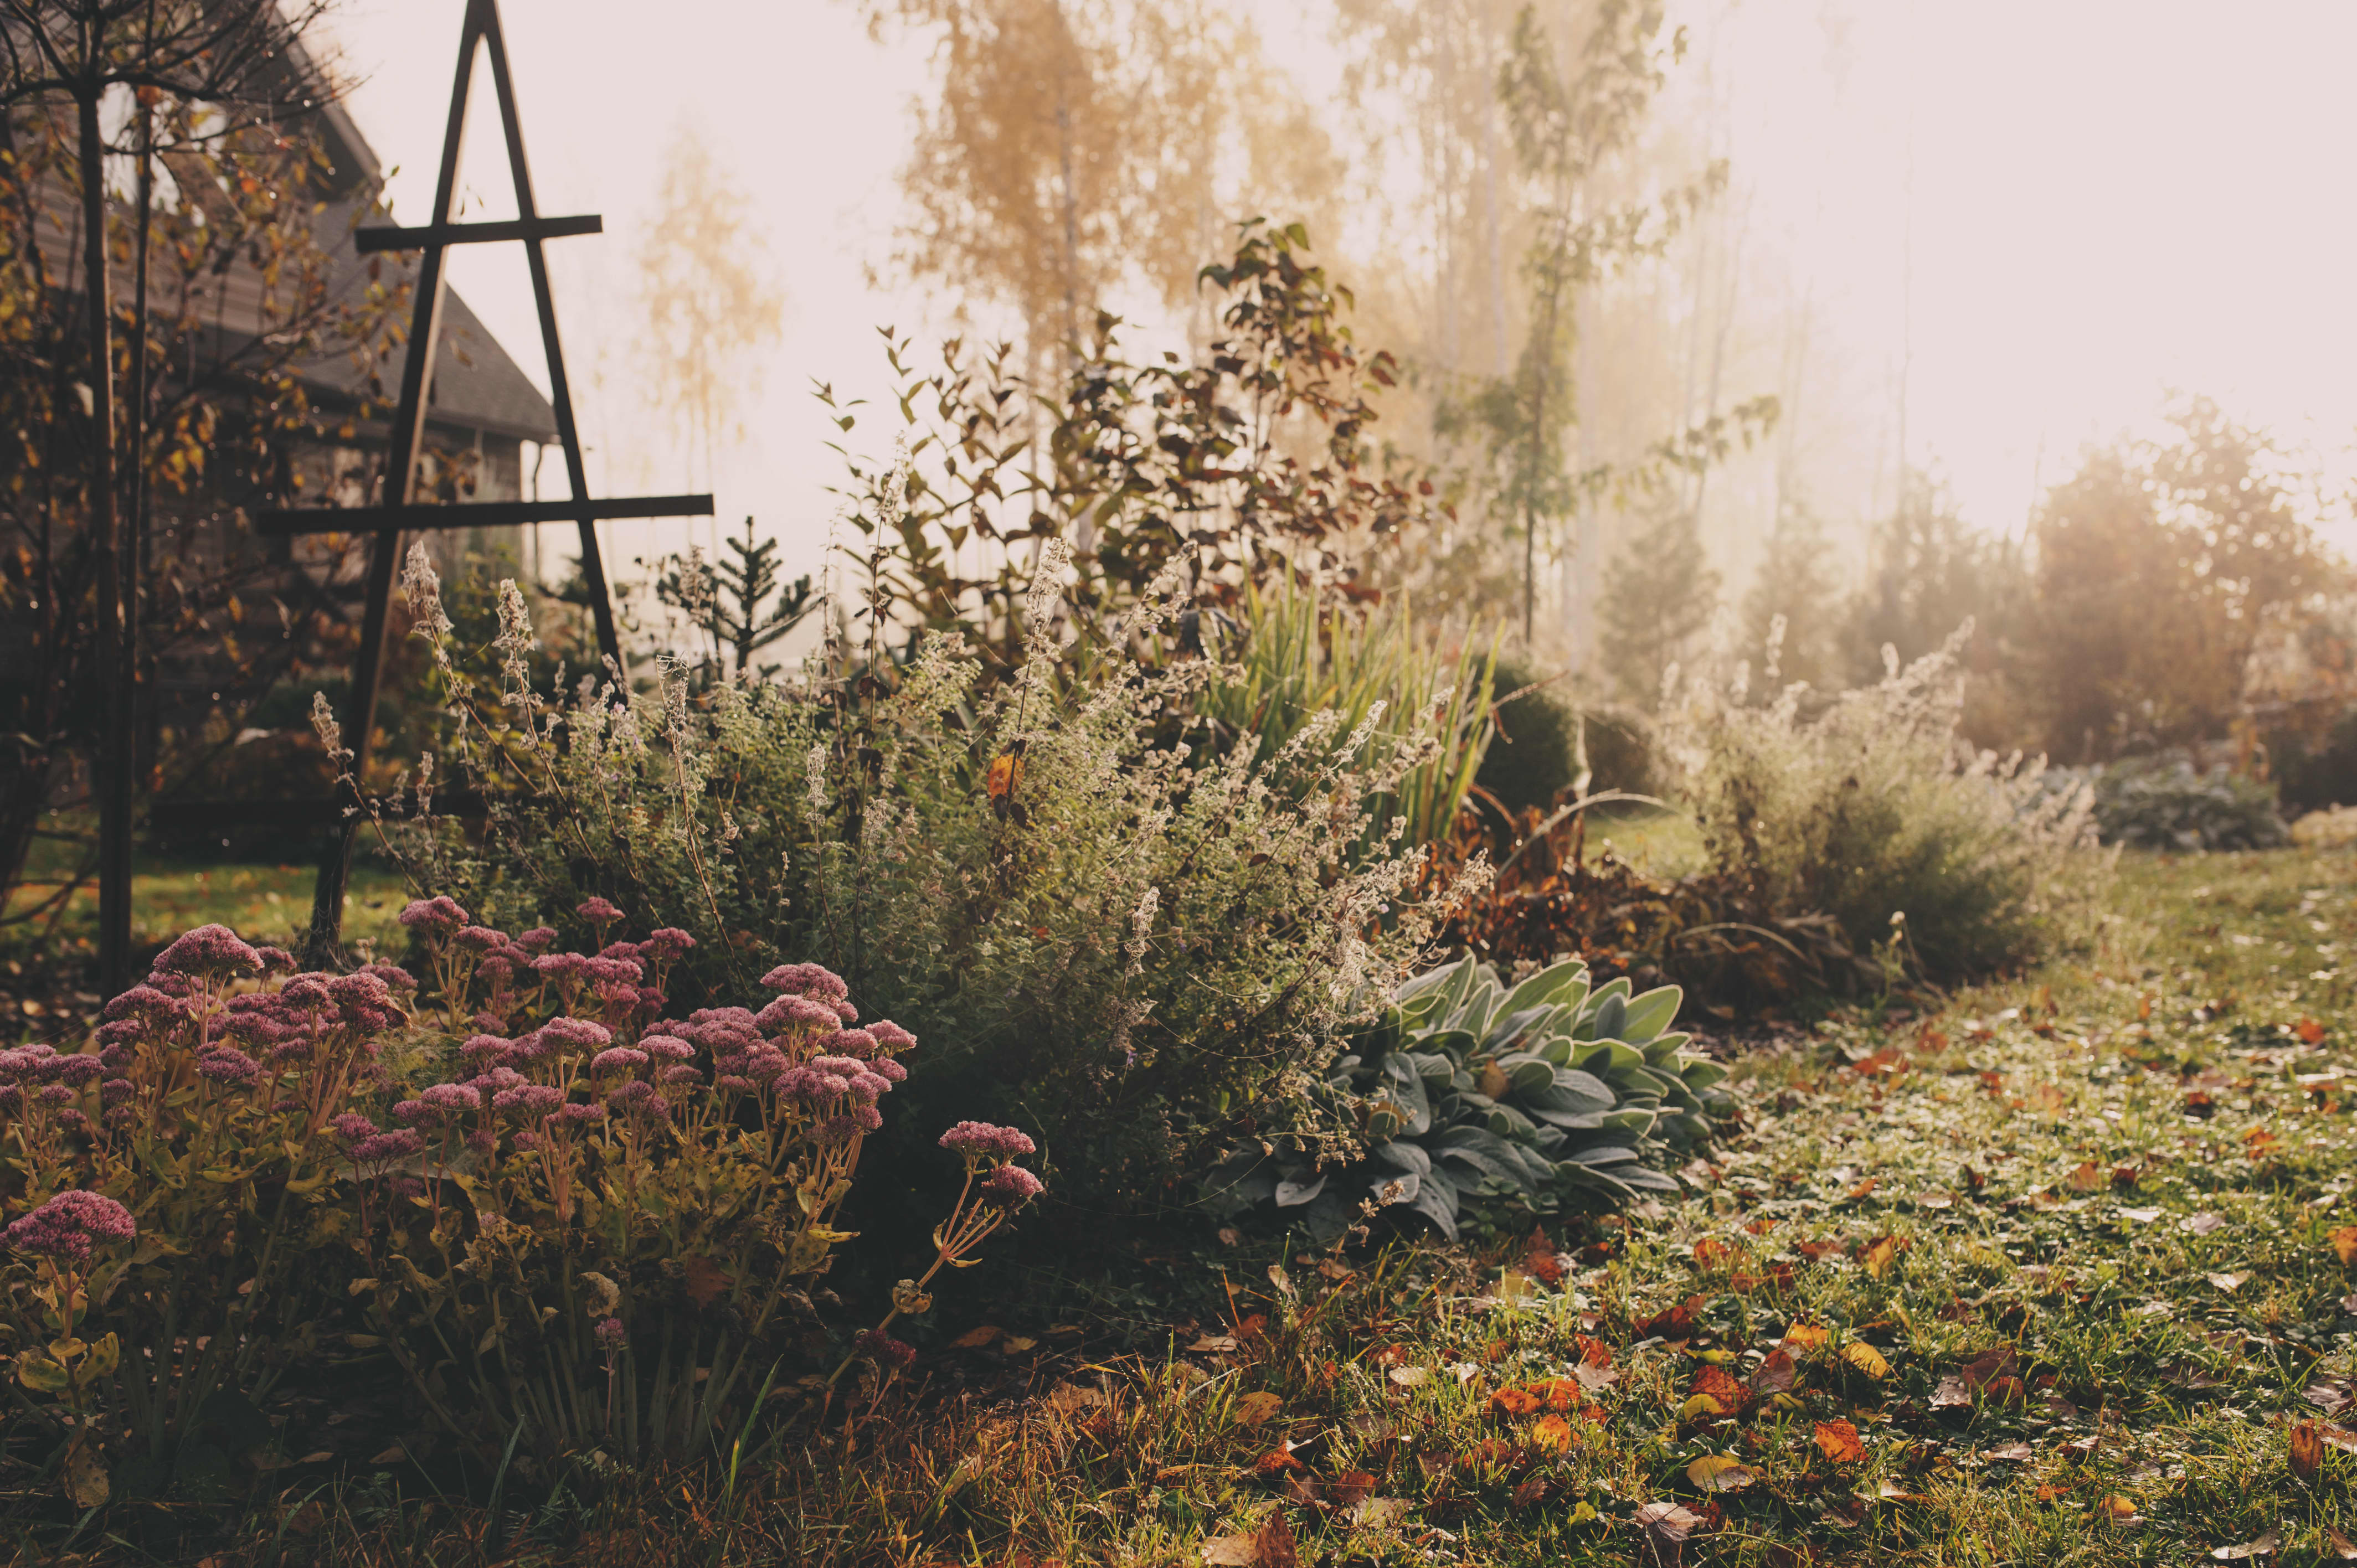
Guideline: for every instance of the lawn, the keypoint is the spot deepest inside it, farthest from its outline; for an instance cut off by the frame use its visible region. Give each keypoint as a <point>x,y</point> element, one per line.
<point>2056,1271</point>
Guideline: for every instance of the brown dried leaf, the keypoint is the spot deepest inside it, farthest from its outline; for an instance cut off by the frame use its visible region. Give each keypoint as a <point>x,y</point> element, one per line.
<point>977,1338</point>
<point>704,1280</point>
<point>1251,1409</point>
<point>2306,1450</point>
<point>1775,1375</point>
<point>2266,1545</point>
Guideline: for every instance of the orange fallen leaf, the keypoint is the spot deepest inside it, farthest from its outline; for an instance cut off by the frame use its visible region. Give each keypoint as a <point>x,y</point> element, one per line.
<point>2311,1032</point>
<point>1879,1256</point>
<point>1515,1402</point>
<point>2086,1178</point>
<point>2306,1450</point>
<point>2344,1244</point>
<point>977,1338</point>
<point>1805,1337</point>
<point>1840,1442</point>
<point>1551,1432</point>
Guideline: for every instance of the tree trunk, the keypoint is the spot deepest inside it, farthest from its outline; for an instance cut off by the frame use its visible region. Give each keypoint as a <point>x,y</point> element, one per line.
<point>114,778</point>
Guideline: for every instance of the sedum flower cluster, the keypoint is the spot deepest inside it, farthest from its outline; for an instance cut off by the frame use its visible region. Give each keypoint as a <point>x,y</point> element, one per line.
<point>520,1180</point>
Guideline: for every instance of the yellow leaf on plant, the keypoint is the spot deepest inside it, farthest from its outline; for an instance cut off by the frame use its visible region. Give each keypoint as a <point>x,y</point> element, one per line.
<point>1005,773</point>
<point>1866,1359</point>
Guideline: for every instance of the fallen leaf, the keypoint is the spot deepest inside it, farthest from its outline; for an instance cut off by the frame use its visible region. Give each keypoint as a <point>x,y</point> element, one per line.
<point>1551,1432</point>
<point>1227,1551</point>
<point>1774,1375</point>
<point>1720,1385</point>
<point>1878,1259</point>
<point>1279,1461</point>
<point>2141,1216</point>
<point>2306,1450</point>
<point>1720,1473</point>
<point>396,1454</point>
<point>1017,1344</point>
<point>1839,1439</point>
<point>1596,1380</point>
<point>1209,1344</point>
<point>1253,1409</point>
<point>1888,1492</point>
<point>2229,1283</point>
<point>1540,1258</point>
<point>2311,1033</point>
<point>1410,1377</point>
<point>1866,1359</point>
<point>2340,1545</point>
<point>2120,1510</point>
<point>2266,1545</point>
<point>1377,1512</point>
<point>1666,1525</point>
<point>1990,1366</point>
<point>1701,1407</point>
<point>977,1338</point>
<point>1862,1188</point>
<point>1805,1337</point>
<point>2344,1244</point>
<point>2202,1224</point>
<point>2340,1437</point>
<point>1951,1394</point>
<point>2013,1453</point>
<point>2087,1178</point>
<point>1066,1398</point>
<point>1515,1287</point>
<point>1534,1489</point>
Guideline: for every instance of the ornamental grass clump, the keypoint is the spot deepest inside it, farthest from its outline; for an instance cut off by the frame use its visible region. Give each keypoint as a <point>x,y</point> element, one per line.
<point>1873,811</point>
<point>567,1218</point>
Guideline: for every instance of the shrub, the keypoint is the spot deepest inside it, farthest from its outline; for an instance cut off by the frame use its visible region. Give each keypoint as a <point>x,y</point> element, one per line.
<point>1535,756</point>
<point>1132,942</point>
<point>1710,933</point>
<point>2170,804</point>
<point>1474,1100</point>
<point>1872,811</point>
<point>2315,772</point>
<point>553,1211</point>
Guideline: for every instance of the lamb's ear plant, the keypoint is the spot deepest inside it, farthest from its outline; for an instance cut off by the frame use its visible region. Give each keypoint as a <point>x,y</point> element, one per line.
<point>1473,1099</point>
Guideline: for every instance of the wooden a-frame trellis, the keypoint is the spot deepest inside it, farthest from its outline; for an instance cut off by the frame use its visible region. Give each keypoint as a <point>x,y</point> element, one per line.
<point>401,513</point>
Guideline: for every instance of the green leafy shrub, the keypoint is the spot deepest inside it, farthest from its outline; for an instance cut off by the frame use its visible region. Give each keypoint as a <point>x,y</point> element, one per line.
<point>2170,804</point>
<point>1872,811</point>
<point>2313,772</point>
<point>1474,1100</point>
<point>1536,754</point>
<point>1102,925</point>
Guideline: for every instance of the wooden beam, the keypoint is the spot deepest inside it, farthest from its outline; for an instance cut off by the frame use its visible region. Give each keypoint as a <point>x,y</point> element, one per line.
<point>370,241</point>
<point>471,514</point>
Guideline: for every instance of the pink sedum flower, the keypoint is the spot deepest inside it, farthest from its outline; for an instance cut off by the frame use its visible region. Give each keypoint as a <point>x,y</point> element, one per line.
<point>209,950</point>
<point>438,917</point>
<point>67,1225</point>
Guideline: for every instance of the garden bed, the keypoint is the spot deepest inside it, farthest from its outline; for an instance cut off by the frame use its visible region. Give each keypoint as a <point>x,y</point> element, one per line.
<point>2058,1272</point>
